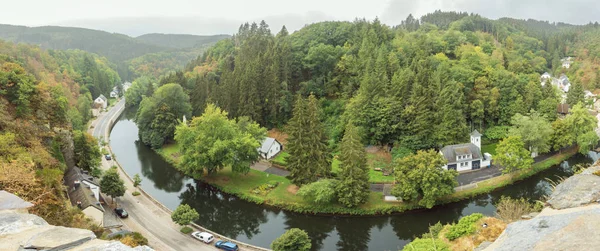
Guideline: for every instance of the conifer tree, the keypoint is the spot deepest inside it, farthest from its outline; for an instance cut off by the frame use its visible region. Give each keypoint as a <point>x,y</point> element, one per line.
<point>451,127</point>
<point>353,188</point>
<point>307,144</point>
<point>575,94</point>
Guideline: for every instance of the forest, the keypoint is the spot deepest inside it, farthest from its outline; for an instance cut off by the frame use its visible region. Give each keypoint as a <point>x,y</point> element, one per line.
<point>422,84</point>
<point>45,104</point>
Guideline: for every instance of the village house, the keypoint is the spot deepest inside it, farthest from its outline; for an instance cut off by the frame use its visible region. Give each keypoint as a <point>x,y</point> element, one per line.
<point>566,62</point>
<point>101,102</point>
<point>269,148</point>
<point>562,83</point>
<point>562,110</point>
<point>84,192</point>
<point>466,157</point>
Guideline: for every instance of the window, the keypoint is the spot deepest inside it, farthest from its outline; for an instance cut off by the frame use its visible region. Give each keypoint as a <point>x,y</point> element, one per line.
<point>464,164</point>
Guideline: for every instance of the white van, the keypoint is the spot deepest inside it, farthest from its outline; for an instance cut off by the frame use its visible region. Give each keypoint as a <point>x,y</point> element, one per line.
<point>203,236</point>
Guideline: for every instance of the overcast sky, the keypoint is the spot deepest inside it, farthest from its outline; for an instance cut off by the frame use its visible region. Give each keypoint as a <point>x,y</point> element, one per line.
<point>136,17</point>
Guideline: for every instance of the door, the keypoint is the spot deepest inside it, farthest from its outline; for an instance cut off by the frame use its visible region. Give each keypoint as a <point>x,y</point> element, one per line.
<point>452,167</point>
<point>476,164</point>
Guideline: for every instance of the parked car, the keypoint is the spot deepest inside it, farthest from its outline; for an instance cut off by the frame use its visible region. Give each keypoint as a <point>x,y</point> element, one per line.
<point>107,156</point>
<point>203,236</point>
<point>121,212</point>
<point>226,245</point>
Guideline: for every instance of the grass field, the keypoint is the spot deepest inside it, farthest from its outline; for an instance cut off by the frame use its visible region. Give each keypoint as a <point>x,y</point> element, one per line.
<point>489,148</point>
<point>284,195</point>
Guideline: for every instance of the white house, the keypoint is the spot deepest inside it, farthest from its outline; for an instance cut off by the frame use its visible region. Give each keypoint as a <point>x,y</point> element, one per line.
<point>114,94</point>
<point>84,192</point>
<point>269,148</point>
<point>101,102</point>
<point>562,83</point>
<point>126,86</point>
<point>566,62</point>
<point>465,157</point>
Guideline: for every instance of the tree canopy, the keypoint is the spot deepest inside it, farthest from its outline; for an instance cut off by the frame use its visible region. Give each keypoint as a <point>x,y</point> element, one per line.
<point>184,215</point>
<point>112,184</point>
<point>212,142</point>
<point>511,154</point>
<point>420,177</point>
<point>293,239</point>
<point>353,188</point>
<point>158,115</point>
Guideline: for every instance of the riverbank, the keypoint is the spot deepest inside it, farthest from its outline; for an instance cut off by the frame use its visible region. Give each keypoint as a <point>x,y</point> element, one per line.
<point>247,187</point>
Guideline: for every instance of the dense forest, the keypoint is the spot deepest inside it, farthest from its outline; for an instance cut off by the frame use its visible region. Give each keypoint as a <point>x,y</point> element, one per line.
<point>422,84</point>
<point>154,54</point>
<point>45,103</point>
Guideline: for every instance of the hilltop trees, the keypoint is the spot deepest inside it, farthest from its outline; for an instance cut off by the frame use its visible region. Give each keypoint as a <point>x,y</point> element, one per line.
<point>353,188</point>
<point>421,177</point>
<point>309,156</point>
<point>158,115</point>
<point>212,142</point>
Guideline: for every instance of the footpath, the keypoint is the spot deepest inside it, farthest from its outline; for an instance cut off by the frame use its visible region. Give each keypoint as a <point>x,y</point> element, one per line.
<point>147,215</point>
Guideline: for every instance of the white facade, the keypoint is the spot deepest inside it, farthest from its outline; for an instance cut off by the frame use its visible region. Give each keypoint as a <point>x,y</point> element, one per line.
<point>269,148</point>
<point>95,189</point>
<point>113,94</point>
<point>467,156</point>
<point>100,102</point>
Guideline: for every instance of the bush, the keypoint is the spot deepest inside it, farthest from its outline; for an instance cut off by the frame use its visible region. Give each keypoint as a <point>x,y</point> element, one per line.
<point>132,239</point>
<point>434,231</point>
<point>509,210</point>
<point>320,192</point>
<point>186,230</point>
<point>136,193</point>
<point>426,244</point>
<point>496,133</point>
<point>264,189</point>
<point>465,226</point>
<point>294,239</point>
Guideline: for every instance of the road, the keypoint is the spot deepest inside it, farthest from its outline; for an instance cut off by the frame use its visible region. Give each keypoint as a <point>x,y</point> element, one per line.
<point>144,216</point>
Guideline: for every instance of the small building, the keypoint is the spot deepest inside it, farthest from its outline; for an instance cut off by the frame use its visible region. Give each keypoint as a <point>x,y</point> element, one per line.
<point>126,86</point>
<point>566,62</point>
<point>114,94</point>
<point>467,156</point>
<point>84,192</point>
<point>269,148</point>
<point>590,96</point>
<point>562,109</point>
<point>545,77</point>
<point>101,102</point>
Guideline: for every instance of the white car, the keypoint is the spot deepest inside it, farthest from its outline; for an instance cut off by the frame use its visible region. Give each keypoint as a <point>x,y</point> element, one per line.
<point>203,236</point>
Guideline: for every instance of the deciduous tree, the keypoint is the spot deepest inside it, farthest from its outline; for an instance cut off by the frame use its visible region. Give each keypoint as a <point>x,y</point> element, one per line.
<point>112,184</point>
<point>86,151</point>
<point>421,177</point>
<point>512,155</point>
<point>293,239</point>
<point>534,130</point>
<point>212,142</point>
<point>184,215</point>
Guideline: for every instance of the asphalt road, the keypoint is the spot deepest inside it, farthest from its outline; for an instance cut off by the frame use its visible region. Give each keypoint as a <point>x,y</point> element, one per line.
<point>144,216</point>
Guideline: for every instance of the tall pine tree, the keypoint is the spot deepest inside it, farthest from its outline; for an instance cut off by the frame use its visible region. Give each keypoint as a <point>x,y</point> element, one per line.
<point>307,144</point>
<point>353,188</point>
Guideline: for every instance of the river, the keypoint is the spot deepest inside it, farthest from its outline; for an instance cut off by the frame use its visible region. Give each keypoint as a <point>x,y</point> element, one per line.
<point>259,225</point>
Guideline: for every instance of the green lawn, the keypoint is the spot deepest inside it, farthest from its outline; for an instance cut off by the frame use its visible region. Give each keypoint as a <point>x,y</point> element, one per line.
<point>280,159</point>
<point>489,148</point>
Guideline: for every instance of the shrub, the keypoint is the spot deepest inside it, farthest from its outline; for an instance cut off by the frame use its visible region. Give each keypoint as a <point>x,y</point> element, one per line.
<point>426,244</point>
<point>264,189</point>
<point>509,210</point>
<point>186,230</point>
<point>320,192</point>
<point>136,193</point>
<point>184,214</point>
<point>496,133</point>
<point>294,239</point>
<point>465,226</point>
<point>434,231</point>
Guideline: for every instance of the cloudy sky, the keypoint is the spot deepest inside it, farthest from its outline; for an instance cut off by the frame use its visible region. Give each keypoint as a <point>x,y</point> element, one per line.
<point>136,17</point>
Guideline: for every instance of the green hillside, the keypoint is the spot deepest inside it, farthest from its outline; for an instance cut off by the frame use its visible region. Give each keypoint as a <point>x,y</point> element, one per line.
<point>180,41</point>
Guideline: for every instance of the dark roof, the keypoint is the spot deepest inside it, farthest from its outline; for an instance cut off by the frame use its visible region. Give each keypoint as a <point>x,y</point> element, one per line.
<point>451,151</point>
<point>475,133</point>
<point>562,108</point>
<point>81,192</point>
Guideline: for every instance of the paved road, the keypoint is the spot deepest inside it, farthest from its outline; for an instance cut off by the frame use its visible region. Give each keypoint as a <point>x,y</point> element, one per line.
<point>145,216</point>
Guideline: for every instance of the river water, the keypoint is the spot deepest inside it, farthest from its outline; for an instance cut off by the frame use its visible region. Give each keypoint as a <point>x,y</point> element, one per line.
<point>260,225</point>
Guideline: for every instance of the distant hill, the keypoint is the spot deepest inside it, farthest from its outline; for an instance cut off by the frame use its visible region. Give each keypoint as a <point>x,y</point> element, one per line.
<point>165,51</point>
<point>116,47</point>
<point>180,41</point>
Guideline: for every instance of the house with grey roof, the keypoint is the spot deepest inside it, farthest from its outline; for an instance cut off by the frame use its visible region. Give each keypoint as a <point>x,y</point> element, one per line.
<point>467,156</point>
<point>566,62</point>
<point>101,102</point>
<point>84,192</point>
<point>269,148</point>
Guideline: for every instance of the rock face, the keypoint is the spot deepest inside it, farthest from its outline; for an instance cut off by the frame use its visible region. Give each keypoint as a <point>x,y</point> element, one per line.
<point>571,223</point>
<point>19,231</point>
<point>569,229</point>
<point>577,190</point>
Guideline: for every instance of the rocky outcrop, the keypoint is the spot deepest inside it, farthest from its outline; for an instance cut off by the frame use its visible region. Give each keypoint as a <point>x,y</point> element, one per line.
<point>577,190</point>
<point>20,231</point>
<point>572,222</point>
